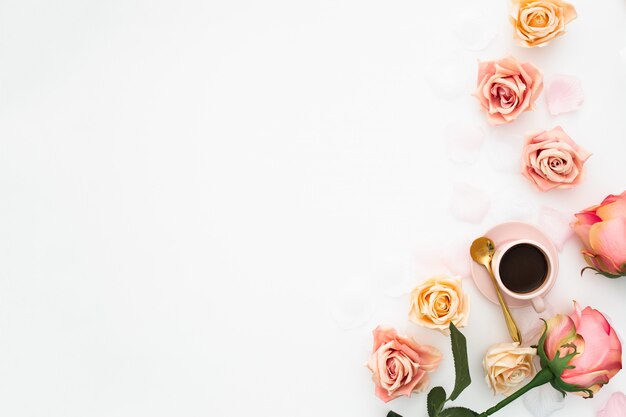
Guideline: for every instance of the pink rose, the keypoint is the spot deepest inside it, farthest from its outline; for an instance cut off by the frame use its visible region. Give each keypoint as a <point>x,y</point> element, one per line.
<point>551,159</point>
<point>602,230</point>
<point>582,350</point>
<point>615,406</point>
<point>399,365</point>
<point>507,88</point>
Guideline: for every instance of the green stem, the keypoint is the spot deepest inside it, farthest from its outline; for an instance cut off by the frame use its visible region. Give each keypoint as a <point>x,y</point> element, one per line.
<point>543,377</point>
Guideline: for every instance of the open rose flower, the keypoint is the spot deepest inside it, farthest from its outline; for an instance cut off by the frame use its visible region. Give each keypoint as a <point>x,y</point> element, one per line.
<point>582,350</point>
<point>399,365</point>
<point>551,159</point>
<point>507,366</point>
<point>602,229</point>
<point>537,22</point>
<point>506,88</point>
<point>615,406</point>
<point>439,301</point>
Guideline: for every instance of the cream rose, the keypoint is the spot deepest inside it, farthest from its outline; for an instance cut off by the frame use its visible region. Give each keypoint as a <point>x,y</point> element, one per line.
<point>507,366</point>
<point>537,22</point>
<point>439,301</point>
<point>399,365</point>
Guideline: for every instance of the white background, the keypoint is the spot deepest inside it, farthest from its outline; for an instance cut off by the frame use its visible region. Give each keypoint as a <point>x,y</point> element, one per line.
<point>189,190</point>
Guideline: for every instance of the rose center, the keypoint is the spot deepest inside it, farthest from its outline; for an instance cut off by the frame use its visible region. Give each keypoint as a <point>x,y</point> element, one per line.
<point>539,19</point>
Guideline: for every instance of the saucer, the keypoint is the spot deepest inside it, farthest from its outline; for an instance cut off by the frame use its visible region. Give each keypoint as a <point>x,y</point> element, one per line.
<point>499,235</point>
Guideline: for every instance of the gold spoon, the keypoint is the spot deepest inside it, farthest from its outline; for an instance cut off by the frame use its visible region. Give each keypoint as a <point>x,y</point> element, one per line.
<point>482,250</point>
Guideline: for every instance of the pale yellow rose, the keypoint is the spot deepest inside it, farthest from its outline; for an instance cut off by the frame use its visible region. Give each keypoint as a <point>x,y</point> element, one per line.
<point>537,22</point>
<point>507,366</point>
<point>439,301</point>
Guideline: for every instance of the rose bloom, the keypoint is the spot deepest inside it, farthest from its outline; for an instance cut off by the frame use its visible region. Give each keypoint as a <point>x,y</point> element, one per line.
<point>598,349</point>
<point>615,406</point>
<point>602,229</point>
<point>551,159</point>
<point>507,366</point>
<point>399,365</point>
<point>537,22</point>
<point>439,301</point>
<point>506,88</point>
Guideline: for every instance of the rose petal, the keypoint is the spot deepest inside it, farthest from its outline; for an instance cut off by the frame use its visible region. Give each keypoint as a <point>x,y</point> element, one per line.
<point>615,406</point>
<point>608,238</point>
<point>543,401</point>
<point>555,224</point>
<point>474,31</point>
<point>564,93</point>
<point>463,141</point>
<point>469,204</point>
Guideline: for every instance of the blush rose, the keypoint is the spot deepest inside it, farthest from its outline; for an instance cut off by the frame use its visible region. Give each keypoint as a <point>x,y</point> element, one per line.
<point>507,88</point>
<point>551,159</point>
<point>399,365</point>
<point>439,301</point>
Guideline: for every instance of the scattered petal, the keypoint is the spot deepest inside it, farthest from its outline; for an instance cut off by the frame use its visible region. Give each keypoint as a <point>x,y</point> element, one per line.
<point>543,401</point>
<point>513,204</point>
<point>352,307</point>
<point>448,78</point>
<point>457,260</point>
<point>469,204</point>
<point>504,155</point>
<point>396,277</point>
<point>615,406</point>
<point>564,93</point>
<point>556,225</point>
<point>463,141</point>
<point>474,31</point>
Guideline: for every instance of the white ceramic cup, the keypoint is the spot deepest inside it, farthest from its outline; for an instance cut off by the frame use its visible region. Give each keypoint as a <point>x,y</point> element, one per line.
<point>535,296</point>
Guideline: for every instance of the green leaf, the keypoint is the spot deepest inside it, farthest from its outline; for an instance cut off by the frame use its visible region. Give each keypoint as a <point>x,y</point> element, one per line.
<point>435,401</point>
<point>458,412</point>
<point>392,414</point>
<point>461,368</point>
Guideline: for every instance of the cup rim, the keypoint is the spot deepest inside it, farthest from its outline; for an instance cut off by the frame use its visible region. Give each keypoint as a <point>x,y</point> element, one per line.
<point>538,292</point>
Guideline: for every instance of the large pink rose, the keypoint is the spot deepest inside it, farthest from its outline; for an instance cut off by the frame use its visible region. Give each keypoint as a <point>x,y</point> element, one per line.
<point>602,229</point>
<point>551,159</point>
<point>399,365</point>
<point>582,350</point>
<point>506,88</point>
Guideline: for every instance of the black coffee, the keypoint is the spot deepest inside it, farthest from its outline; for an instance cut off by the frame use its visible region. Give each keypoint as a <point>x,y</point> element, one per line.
<point>523,268</point>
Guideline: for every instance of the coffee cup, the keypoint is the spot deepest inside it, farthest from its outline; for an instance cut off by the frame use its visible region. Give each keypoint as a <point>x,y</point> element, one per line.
<point>525,270</point>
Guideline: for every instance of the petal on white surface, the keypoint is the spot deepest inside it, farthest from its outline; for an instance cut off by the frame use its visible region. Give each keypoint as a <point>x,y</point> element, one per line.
<point>564,93</point>
<point>474,31</point>
<point>504,155</point>
<point>556,225</point>
<point>543,401</point>
<point>469,204</point>
<point>511,204</point>
<point>457,260</point>
<point>615,406</point>
<point>449,78</point>
<point>463,141</point>
<point>396,278</point>
<point>352,307</point>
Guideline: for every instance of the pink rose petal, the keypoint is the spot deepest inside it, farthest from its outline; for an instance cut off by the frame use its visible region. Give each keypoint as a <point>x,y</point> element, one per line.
<point>469,204</point>
<point>615,406</point>
<point>543,401</point>
<point>463,141</point>
<point>556,225</point>
<point>564,93</point>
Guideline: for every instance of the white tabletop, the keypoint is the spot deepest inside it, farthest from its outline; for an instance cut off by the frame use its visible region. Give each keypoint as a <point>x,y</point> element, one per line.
<point>207,206</point>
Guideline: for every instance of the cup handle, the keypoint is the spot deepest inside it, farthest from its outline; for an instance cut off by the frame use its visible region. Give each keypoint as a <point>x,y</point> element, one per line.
<point>538,304</point>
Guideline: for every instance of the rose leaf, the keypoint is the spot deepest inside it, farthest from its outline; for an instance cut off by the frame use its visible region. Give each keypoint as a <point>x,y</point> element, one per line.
<point>458,412</point>
<point>435,401</point>
<point>461,367</point>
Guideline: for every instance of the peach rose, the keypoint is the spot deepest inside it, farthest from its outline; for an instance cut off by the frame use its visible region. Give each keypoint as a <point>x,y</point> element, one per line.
<point>506,88</point>
<point>439,301</point>
<point>399,365</point>
<point>507,366</point>
<point>602,229</point>
<point>551,159</point>
<point>537,22</point>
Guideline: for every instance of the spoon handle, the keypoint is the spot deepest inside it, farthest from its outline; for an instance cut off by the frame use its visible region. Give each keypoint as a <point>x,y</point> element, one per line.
<point>508,318</point>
